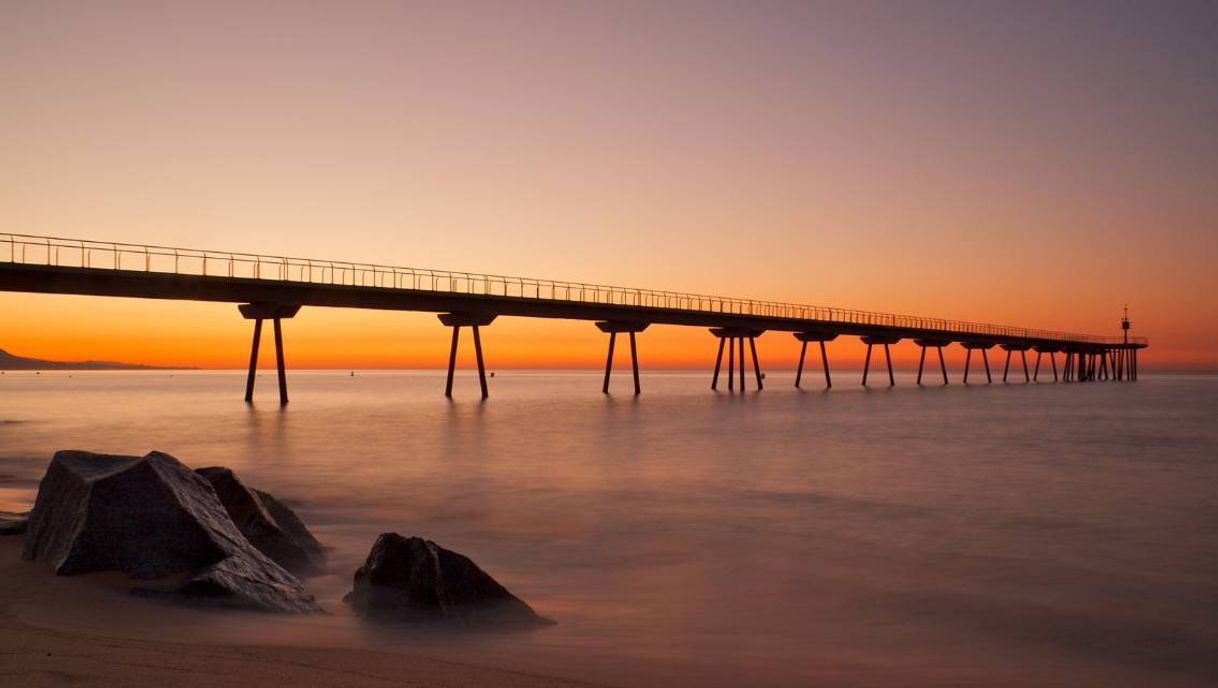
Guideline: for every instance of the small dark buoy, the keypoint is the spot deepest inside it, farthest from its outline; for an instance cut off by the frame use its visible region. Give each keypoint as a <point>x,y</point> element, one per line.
<point>352,373</point>
<point>492,373</point>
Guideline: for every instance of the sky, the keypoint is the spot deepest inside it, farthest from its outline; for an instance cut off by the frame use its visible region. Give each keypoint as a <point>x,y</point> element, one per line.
<point>1027,163</point>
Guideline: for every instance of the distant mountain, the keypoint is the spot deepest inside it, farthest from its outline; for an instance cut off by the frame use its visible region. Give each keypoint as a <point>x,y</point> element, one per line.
<point>11,362</point>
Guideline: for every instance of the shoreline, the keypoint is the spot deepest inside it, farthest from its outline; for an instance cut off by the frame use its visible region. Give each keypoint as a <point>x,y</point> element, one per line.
<point>37,653</point>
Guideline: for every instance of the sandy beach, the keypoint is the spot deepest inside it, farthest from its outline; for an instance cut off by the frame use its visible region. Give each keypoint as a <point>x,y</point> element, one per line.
<point>38,651</point>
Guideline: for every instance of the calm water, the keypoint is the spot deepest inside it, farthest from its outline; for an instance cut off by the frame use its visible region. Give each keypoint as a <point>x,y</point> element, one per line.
<point>1021,534</point>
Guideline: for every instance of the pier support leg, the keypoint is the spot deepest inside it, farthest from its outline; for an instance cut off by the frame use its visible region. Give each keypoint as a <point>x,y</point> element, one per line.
<point>249,381</point>
<point>1024,356</point>
<point>612,328</point>
<point>718,361</point>
<point>820,338</point>
<point>741,341</point>
<point>731,364</point>
<point>474,321</point>
<point>756,364</point>
<point>968,360</point>
<point>938,345</point>
<point>986,358</point>
<point>609,362</point>
<point>799,372</point>
<point>634,363</point>
<point>882,340</point>
<point>276,313</point>
<point>481,366</point>
<point>1053,360</point>
<point>283,377</point>
<point>824,359</point>
<point>1006,366</point>
<point>1036,372</point>
<point>452,362</point>
<point>866,365</point>
<point>892,382</point>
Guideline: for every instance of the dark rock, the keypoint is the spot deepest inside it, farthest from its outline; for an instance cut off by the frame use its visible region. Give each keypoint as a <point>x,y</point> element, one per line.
<point>412,579</point>
<point>243,582</point>
<point>147,517</point>
<point>151,517</point>
<point>13,524</point>
<point>266,522</point>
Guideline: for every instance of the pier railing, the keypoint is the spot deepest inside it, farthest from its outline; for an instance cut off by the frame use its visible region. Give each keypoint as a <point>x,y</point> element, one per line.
<point>77,253</point>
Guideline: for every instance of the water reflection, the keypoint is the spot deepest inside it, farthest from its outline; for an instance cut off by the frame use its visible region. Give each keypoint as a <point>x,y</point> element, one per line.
<point>886,536</point>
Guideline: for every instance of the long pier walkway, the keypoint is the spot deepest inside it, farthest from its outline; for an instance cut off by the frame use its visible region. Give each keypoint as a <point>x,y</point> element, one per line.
<point>275,288</point>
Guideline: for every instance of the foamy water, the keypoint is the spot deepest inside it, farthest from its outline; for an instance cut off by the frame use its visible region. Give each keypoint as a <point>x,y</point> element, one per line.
<point>1024,534</point>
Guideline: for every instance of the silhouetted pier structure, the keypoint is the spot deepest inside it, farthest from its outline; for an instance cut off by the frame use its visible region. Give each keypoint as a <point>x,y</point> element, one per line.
<point>275,288</point>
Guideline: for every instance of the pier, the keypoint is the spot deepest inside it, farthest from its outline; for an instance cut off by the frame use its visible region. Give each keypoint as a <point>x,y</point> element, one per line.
<point>275,288</point>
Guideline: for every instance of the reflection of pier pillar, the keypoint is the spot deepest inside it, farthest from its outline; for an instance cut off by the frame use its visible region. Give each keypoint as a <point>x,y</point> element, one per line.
<point>886,341</point>
<point>733,338</point>
<point>473,321</point>
<point>613,327</point>
<point>984,348</point>
<point>938,345</point>
<point>820,338</point>
<point>274,312</point>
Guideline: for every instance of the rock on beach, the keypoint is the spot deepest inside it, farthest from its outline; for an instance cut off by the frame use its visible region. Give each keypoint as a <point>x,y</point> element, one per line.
<point>152,517</point>
<point>416,580</point>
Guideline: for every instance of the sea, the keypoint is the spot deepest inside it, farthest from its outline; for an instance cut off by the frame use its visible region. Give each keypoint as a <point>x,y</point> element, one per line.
<point>963,535</point>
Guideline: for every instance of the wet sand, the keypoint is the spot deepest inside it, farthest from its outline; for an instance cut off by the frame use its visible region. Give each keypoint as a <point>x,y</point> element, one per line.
<point>34,652</point>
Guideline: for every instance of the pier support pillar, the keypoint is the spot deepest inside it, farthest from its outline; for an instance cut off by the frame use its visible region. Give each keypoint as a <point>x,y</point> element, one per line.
<point>885,341</point>
<point>733,338</point>
<point>819,338</point>
<point>1023,354</point>
<point>984,348</point>
<point>274,312</point>
<point>938,345</point>
<point>472,321</point>
<point>612,328</point>
<point>1040,352</point>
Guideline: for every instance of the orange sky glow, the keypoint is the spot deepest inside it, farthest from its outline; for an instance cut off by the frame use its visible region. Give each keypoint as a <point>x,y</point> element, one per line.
<point>1036,165</point>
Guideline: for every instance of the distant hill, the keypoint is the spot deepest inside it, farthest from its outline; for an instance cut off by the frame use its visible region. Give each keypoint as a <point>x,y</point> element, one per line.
<point>11,362</point>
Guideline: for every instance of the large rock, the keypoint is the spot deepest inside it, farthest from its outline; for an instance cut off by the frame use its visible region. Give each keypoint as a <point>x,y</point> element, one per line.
<point>151,517</point>
<point>412,579</point>
<point>266,522</point>
<point>12,524</point>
